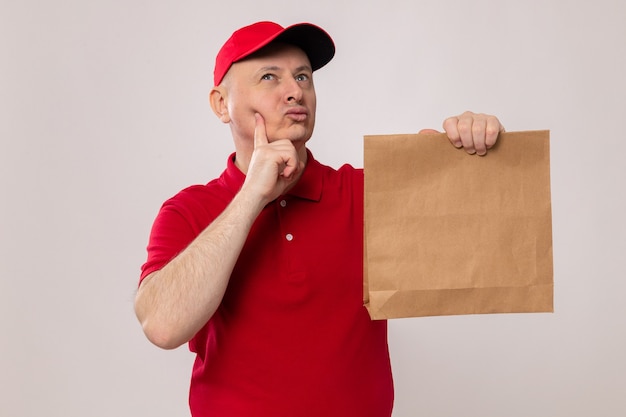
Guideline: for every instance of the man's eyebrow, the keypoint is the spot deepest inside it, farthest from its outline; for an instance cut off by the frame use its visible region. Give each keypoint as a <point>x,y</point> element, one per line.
<point>304,68</point>
<point>277,68</point>
<point>269,68</point>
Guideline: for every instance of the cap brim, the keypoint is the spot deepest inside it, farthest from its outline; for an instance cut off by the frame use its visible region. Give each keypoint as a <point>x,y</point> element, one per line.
<point>313,40</point>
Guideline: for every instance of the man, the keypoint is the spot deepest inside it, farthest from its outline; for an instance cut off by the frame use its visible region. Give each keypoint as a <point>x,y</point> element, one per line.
<point>261,269</point>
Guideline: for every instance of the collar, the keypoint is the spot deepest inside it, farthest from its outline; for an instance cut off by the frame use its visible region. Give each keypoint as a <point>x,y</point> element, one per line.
<point>308,187</point>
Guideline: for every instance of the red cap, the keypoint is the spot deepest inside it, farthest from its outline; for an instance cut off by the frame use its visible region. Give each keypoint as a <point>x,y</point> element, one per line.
<point>313,40</point>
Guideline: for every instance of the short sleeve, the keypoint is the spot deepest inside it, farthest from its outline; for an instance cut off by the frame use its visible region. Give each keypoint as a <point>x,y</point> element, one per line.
<point>171,233</point>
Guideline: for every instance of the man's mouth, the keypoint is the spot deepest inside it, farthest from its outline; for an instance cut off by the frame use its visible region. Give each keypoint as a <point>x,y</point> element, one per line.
<point>298,115</point>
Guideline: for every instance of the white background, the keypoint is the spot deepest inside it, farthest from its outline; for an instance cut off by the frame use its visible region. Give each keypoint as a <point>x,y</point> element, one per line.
<point>104,115</point>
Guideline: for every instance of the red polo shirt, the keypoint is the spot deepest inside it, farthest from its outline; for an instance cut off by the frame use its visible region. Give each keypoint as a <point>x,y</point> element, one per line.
<point>291,337</point>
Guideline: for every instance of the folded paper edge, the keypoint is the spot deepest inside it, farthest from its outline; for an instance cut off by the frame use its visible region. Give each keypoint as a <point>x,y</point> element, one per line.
<point>391,304</point>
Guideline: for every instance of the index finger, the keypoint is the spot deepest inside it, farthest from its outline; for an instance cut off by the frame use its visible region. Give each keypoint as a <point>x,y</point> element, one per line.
<point>451,129</point>
<point>260,135</point>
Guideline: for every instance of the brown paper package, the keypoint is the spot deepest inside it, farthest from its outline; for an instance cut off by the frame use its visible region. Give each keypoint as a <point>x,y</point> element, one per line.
<point>448,233</point>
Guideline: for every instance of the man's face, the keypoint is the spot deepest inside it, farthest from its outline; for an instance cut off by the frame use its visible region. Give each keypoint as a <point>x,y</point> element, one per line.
<point>277,83</point>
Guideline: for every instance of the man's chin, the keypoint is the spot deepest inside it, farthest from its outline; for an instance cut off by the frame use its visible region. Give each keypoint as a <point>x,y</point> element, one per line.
<point>297,134</point>
<point>300,139</point>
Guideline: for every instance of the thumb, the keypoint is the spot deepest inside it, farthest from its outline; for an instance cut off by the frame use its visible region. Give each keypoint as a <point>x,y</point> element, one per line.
<point>428,131</point>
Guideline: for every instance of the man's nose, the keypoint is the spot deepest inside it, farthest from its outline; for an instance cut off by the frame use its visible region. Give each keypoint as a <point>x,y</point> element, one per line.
<point>293,92</point>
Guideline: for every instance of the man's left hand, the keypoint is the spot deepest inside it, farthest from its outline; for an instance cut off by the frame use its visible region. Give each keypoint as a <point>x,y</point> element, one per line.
<point>474,132</point>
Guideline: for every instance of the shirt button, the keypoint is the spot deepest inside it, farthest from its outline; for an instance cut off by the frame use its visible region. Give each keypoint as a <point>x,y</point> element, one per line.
<point>289,237</point>
<point>283,203</point>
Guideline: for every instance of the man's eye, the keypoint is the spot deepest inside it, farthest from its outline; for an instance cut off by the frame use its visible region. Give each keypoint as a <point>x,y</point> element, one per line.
<point>302,77</point>
<point>268,77</point>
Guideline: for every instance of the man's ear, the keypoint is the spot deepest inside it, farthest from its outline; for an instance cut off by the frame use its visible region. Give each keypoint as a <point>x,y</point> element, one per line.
<point>217,99</point>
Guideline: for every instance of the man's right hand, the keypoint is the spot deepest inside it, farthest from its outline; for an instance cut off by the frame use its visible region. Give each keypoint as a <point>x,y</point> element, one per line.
<point>274,167</point>
<point>174,303</point>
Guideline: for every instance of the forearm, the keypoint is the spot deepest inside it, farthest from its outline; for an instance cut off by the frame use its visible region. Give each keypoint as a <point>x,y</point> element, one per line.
<point>173,303</point>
